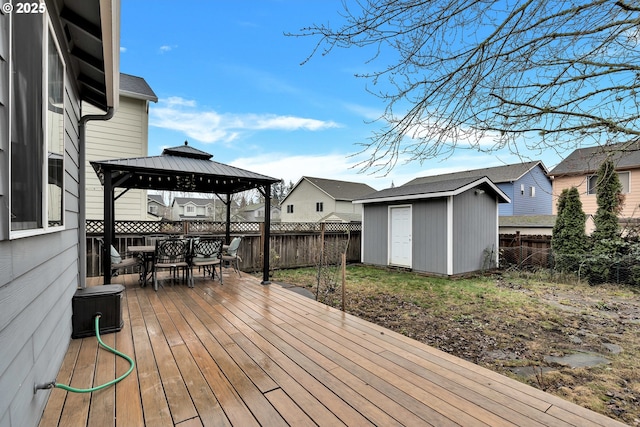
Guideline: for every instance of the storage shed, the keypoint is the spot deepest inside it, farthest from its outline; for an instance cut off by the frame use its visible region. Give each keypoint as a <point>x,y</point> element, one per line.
<point>444,228</point>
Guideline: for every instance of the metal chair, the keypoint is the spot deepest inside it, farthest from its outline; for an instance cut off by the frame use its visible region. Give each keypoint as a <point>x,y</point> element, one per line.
<point>172,254</point>
<point>230,254</point>
<point>119,263</point>
<point>205,253</point>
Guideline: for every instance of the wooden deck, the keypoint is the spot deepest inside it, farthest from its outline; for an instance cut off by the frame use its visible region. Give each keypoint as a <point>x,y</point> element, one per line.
<point>244,354</point>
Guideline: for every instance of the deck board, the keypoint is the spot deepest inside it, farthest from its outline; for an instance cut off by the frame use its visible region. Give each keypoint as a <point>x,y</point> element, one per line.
<point>243,354</point>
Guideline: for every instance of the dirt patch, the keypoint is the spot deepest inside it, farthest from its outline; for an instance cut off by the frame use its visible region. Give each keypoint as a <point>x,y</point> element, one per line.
<point>528,343</point>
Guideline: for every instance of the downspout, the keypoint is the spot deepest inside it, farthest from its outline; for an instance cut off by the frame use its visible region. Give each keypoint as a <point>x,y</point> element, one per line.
<point>82,220</point>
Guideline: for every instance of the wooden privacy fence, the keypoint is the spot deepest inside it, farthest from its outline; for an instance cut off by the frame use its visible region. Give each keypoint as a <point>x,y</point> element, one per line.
<point>292,244</point>
<point>525,251</point>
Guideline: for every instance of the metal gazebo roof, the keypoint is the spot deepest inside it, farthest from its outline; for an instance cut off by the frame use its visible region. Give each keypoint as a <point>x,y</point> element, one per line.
<point>181,168</point>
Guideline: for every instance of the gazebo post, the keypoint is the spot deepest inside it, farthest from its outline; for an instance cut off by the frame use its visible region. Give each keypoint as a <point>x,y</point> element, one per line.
<point>227,233</point>
<point>108,227</point>
<point>267,235</point>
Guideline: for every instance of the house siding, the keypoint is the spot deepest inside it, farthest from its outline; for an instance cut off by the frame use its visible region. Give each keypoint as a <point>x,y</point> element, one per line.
<point>123,136</point>
<point>430,236</point>
<point>38,277</point>
<point>526,204</point>
<point>507,209</point>
<point>631,208</point>
<point>375,242</point>
<point>304,199</point>
<point>475,230</point>
<point>4,126</point>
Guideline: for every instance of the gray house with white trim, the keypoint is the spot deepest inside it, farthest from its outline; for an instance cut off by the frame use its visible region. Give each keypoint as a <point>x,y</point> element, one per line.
<point>51,62</point>
<point>444,228</point>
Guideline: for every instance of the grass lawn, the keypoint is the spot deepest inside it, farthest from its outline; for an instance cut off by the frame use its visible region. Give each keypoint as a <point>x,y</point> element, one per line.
<point>509,323</point>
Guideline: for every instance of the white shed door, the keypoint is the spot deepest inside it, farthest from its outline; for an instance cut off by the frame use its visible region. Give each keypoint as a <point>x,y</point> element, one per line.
<point>400,236</point>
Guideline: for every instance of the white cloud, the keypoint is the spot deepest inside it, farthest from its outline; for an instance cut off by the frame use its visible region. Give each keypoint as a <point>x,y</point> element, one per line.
<point>123,49</point>
<point>337,166</point>
<point>167,48</point>
<point>209,126</point>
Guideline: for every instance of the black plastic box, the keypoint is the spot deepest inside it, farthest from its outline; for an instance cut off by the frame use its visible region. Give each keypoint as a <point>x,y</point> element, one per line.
<point>105,299</point>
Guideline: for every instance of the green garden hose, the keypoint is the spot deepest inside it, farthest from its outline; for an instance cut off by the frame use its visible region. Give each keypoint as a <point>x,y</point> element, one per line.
<point>100,387</point>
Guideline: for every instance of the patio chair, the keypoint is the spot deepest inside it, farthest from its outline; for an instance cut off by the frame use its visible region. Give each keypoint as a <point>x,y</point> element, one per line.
<point>118,263</point>
<point>205,253</point>
<point>172,254</point>
<point>230,254</point>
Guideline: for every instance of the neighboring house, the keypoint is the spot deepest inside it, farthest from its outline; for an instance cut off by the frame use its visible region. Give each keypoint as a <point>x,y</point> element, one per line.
<point>444,228</point>
<point>323,200</point>
<point>50,63</point>
<point>579,170</point>
<point>526,184</point>
<point>156,207</point>
<point>192,208</point>
<point>124,136</point>
<point>255,212</point>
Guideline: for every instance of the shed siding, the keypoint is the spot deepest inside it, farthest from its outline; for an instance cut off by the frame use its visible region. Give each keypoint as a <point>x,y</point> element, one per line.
<point>475,230</point>
<point>123,136</point>
<point>38,276</point>
<point>375,234</point>
<point>430,236</point>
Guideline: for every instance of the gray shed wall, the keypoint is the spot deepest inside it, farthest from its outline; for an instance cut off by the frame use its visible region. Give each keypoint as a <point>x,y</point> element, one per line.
<point>375,235</point>
<point>430,236</point>
<point>38,277</point>
<point>474,230</point>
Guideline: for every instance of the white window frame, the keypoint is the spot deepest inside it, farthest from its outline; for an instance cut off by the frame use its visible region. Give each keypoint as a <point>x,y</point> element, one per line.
<point>592,190</point>
<point>48,33</point>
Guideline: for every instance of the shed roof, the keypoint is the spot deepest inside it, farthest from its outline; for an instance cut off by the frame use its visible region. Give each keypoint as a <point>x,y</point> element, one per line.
<point>449,187</point>
<point>498,174</point>
<point>588,160</point>
<point>136,87</point>
<point>181,168</point>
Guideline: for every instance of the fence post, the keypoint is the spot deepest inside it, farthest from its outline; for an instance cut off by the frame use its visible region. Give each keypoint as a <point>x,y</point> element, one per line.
<point>261,228</point>
<point>344,277</point>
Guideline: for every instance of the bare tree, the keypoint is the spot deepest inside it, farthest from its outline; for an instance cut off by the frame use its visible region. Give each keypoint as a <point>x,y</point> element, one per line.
<point>547,74</point>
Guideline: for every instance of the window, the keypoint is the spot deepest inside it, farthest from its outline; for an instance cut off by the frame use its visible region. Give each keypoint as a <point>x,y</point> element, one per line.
<point>532,191</point>
<point>522,189</point>
<point>624,177</point>
<point>290,209</point>
<point>153,209</point>
<point>37,127</point>
<point>319,207</point>
<point>190,209</point>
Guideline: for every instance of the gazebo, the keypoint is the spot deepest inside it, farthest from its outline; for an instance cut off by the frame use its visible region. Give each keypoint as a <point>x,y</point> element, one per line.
<point>181,168</point>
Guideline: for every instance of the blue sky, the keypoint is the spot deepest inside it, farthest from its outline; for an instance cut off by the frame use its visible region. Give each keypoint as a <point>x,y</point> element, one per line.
<point>232,84</point>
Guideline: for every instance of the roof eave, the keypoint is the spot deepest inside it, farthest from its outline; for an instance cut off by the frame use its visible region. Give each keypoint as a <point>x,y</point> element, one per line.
<point>110,22</point>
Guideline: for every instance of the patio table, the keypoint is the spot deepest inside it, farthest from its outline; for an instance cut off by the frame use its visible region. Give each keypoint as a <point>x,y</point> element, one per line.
<point>147,254</point>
